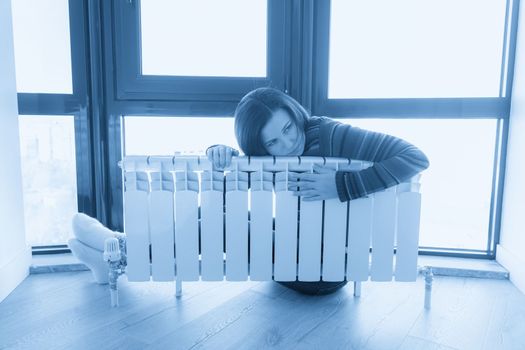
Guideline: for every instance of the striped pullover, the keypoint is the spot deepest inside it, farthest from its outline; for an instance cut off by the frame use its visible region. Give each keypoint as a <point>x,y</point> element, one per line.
<point>395,160</point>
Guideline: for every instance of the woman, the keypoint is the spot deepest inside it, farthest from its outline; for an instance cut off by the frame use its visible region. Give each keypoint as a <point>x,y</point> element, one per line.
<point>269,122</point>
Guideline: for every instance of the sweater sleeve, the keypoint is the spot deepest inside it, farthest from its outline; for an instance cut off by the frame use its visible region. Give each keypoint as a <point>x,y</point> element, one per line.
<point>395,160</point>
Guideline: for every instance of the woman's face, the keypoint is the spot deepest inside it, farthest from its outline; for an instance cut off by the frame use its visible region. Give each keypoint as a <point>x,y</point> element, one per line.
<point>281,136</point>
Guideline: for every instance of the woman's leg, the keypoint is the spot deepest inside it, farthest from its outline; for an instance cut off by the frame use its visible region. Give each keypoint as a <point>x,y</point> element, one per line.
<point>92,258</point>
<point>88,244</point>
<point>91,232</point>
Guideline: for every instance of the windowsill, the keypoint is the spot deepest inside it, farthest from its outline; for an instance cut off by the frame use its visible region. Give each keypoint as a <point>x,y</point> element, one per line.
<point>463,267</point>
<point>444,266</point>
<point>64,262</point>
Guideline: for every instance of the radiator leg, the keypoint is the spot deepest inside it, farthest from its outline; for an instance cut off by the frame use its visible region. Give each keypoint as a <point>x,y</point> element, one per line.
<point>113,290</point>
<point>428,286</point>
<point>357,289</point>
<point>178,287</point>
<point>115,256</point>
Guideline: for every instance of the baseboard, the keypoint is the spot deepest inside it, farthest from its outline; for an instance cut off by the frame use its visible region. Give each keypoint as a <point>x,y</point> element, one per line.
<point>515,264</point>
<point>463,267</point>
<point>33,270</point>
<point>14,272</point>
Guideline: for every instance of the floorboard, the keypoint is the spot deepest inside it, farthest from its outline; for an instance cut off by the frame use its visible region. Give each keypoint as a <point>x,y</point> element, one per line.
<point>68,310</point>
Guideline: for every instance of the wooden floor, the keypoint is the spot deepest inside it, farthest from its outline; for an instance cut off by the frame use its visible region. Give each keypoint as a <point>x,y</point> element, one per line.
<point>69,311</point>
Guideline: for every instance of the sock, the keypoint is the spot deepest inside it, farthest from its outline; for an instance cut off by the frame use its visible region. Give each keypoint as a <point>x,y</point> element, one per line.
<point>91,232</point>
<point>92,258</point>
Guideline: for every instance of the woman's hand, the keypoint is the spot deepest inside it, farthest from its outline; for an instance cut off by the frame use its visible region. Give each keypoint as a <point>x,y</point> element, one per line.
<point>315,186</point>
<point>221,156</point>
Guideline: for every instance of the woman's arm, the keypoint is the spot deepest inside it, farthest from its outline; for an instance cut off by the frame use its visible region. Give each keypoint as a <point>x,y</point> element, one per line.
<point>395,160</point>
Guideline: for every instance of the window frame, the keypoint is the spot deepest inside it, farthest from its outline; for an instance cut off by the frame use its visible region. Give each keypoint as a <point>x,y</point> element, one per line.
<point>73,105</point>
<point>101,96</point>
<point>132,85</point>
<point>468,107</point>
<point>453,108</point>
<point>306,44</point>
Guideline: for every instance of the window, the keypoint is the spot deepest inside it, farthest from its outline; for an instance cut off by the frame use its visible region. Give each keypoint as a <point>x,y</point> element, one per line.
<point>47,147</point>
<point>51,69</point>
<point>200,50</point>
<point>411,65</point>
<point>176,135</point>
<point>42,46</point>
<point>413,49</point>
<point>204,38</point>
<point>164,73</point>
<point>457,186</point>
<point>438,65</point>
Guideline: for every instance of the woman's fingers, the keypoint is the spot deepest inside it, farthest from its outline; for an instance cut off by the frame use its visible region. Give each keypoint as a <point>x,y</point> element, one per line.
<point>309,195</point>
<point>306,193</point>
<point>302,183</point>
<point>221,156</point>
<point>312,198</point>
<point>303,176</point>
<point>209,154</point>
<point>216,158</point>
<point>319,169</point>
<point>294,186</point>
<point>228,158</point>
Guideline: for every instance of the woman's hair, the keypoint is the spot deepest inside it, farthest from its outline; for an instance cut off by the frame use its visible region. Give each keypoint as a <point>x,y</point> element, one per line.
<point>253,112</point>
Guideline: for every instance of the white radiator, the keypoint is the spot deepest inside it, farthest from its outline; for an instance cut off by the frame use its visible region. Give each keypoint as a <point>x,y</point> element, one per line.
<point>172,203</point>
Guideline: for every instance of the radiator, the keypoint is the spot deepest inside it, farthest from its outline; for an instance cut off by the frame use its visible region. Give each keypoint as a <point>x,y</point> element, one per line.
<point>250,226</point>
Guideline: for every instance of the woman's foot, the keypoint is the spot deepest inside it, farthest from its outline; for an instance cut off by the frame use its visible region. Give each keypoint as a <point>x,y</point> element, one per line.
<point>91,232</point>
<point>88,244</point>
<point>92,258</point>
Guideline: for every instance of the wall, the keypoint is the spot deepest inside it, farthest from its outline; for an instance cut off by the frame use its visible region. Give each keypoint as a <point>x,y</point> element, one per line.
<point>510,251</point>
<point>15,256</point>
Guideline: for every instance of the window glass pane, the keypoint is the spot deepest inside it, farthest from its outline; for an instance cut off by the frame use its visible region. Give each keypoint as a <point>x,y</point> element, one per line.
<point>49,177</point>
<point>173,135</point>
<point>413,48</point>
<point>204,37</point>
<point>456,188</point>
<point>42,46</point>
